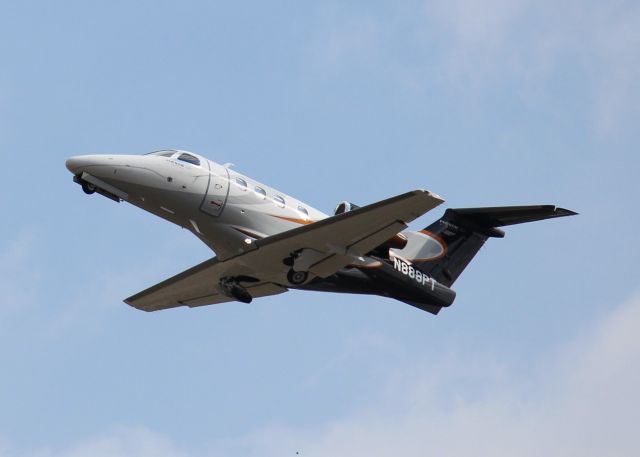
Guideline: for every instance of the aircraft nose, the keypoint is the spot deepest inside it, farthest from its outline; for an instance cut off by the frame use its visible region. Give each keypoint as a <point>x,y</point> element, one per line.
<point>78,164</point>
<point>74,163</point>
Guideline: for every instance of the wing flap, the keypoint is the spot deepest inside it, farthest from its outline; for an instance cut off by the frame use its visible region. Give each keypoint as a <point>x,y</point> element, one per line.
<point>329,265</point>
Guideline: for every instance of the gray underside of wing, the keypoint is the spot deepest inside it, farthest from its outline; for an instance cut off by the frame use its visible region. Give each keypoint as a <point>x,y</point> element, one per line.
<point>197,286</point>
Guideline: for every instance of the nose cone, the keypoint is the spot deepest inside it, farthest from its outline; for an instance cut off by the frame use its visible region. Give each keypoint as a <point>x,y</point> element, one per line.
<point>75,163</point>
<point>78,164</point>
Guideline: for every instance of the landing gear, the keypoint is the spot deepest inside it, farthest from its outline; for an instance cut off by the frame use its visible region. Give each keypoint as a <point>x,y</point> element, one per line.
<point>299,262</point>
<point>297,277</point>
<point>88,188</point>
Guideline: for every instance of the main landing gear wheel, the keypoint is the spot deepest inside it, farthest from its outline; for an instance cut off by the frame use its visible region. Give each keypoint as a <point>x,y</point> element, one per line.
<point>297,277</point>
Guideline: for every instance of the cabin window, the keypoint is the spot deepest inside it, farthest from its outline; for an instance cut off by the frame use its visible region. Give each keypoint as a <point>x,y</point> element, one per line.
<point>260,192</point>
<point>279,201</point>
<point>303,212</point>
<point>193,160</point>
<point>242,184</point>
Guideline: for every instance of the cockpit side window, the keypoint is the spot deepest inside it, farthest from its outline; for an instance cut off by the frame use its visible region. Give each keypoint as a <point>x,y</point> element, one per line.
<point>193,160</point>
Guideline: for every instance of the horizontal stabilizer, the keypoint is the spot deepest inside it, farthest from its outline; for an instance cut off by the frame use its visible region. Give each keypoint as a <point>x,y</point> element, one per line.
<point>509,215</point>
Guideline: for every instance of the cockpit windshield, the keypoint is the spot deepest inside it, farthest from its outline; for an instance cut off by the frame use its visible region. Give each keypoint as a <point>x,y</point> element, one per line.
<point>163,153</point>
<point>176,154</point>
<point>193,160</point>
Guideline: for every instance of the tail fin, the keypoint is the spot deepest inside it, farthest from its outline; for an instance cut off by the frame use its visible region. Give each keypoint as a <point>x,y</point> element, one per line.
<point>453,240</point>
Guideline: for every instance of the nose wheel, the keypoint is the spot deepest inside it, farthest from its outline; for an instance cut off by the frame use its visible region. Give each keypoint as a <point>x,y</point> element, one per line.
<point>297,277</point>
<point>88,188</point>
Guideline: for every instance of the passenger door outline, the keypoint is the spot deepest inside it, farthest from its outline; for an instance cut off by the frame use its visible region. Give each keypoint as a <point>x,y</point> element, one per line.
<point>217,190</point>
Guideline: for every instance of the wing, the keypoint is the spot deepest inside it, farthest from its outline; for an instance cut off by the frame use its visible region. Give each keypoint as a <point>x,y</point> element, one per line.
<point>322,248</point>
<point>197,286</point>
<point>337,241</point>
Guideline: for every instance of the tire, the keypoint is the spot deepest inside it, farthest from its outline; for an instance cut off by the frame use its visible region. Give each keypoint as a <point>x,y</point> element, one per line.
<point>88,188</point>
<point>297,277</point>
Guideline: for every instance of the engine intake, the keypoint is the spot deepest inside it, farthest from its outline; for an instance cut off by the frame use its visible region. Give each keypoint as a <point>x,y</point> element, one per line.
<point>344,207</point>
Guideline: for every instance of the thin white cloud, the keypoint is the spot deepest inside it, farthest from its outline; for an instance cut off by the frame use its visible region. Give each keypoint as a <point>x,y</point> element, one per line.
<point>529,43</point>
<point>583,402</point>
<point>473,38</point>
<point>529,49</point>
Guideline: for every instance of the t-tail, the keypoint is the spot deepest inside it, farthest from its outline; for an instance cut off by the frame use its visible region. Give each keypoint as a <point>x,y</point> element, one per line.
<point>445,248</point>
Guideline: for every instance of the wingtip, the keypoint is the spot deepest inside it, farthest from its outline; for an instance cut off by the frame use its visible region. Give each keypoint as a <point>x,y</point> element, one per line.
<point>430,194</point>
<point>131,303</point>
<point>565,212</point>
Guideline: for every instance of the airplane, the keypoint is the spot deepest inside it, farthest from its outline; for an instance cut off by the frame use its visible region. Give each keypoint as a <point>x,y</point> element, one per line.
<point>267,242</point>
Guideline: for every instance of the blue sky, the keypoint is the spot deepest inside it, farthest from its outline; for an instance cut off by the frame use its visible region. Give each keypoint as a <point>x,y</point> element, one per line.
<point>485,103</point>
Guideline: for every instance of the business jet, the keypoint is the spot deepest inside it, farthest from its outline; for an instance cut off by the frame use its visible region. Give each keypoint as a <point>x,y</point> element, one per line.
<point>267,242</point>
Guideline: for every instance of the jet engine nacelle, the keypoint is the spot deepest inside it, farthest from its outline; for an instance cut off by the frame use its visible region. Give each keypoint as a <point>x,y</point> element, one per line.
<point>344,207</point>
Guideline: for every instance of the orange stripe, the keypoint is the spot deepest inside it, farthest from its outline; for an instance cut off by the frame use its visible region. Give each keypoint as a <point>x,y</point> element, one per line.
<point>294,220</point>
<point>376,264</point>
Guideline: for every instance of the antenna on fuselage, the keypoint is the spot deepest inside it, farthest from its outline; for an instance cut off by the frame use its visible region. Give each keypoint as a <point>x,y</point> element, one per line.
<point>228,165</point>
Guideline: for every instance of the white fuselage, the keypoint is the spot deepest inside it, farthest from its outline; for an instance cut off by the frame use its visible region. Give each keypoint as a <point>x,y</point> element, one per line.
<point>225,209</point>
